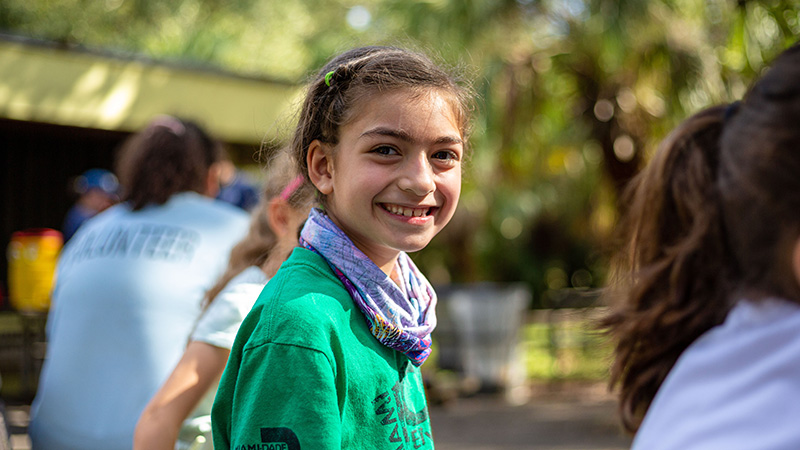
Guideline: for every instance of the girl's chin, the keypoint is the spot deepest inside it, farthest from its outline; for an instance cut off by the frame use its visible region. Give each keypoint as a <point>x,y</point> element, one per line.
<point>412,246</point>
<point>390,251</point>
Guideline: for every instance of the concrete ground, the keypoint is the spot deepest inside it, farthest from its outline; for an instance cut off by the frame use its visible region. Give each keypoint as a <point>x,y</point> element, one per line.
<point>564,418</point>
<point>554,417</point>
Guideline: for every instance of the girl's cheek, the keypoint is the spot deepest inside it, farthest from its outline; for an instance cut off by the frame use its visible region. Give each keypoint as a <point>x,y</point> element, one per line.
<point>453,181</point>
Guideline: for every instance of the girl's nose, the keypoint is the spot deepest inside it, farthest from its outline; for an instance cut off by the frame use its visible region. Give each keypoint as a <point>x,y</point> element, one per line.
<point>417,176</point>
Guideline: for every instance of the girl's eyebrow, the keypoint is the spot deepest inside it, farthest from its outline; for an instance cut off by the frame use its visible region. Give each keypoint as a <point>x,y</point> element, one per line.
<point>407,137</point>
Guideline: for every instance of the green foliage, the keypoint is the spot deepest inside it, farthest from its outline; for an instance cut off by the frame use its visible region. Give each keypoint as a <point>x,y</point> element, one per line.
<point>565,351</point>
<point>574,94</point>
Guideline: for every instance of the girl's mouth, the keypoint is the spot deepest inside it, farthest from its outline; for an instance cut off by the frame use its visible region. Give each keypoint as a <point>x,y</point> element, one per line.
<point>405,211</point>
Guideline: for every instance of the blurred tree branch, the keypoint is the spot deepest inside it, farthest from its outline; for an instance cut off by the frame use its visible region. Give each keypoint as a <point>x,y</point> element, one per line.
<point>574,94</point>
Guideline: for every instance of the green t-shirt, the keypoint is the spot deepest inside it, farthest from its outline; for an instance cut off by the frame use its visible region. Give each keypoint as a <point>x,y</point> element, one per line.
<point>306,373</point>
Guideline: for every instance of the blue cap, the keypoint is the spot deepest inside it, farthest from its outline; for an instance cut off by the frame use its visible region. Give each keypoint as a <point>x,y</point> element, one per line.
<point>97,179</point>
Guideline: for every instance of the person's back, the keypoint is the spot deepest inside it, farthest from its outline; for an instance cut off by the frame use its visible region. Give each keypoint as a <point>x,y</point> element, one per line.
<point>736,387</point>
<point>128,293</point>
<point>705,297</point>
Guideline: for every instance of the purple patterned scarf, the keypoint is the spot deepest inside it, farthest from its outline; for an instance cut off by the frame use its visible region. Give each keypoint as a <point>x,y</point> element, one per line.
<point>400,318</point>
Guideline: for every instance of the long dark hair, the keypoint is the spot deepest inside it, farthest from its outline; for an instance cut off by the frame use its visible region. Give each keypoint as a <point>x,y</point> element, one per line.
<point>706,223</point>
<point>169,156</point>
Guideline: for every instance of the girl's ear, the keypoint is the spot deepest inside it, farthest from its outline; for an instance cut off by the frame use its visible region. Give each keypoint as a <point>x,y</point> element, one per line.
<point>320,166</point>
<point>278,216</point>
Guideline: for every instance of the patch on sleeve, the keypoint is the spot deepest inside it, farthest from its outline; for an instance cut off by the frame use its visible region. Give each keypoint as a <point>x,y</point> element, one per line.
<point>274,439</point>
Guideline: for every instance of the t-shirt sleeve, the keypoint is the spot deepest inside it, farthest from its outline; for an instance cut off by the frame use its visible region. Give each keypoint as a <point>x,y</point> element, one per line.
<point>283,394</point>
<point>220,322</point>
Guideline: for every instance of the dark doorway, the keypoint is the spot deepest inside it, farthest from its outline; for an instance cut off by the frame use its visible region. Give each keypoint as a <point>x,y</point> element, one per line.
<point>38,163</point>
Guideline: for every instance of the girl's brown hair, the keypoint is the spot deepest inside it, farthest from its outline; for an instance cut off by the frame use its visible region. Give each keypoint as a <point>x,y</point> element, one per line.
<point>705,224</point>
<point>336,91</point>
<point>260,242</point>
<point>169,156</point>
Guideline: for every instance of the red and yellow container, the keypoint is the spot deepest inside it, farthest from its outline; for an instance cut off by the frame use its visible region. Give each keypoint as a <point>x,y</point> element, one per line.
<point>32,258</point>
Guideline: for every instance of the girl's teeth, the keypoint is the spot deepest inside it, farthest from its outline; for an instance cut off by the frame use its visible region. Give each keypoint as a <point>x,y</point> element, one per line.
<point>407,212</point>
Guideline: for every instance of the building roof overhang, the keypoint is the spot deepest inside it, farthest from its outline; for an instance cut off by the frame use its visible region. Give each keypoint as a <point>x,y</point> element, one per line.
<point>45,83</point>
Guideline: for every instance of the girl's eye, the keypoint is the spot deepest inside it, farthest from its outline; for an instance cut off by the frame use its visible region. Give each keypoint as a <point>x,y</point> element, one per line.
<point>446,155</point>
<point>385,150</point>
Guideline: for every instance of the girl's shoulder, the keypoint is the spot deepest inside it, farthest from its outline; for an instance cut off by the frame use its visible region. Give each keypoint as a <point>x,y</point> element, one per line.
<point>306,281</point>
<point>303,273</point>
<point>304,300</point>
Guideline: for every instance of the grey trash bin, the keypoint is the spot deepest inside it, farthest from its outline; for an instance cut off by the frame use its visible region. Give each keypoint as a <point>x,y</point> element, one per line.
<point>479,332</point>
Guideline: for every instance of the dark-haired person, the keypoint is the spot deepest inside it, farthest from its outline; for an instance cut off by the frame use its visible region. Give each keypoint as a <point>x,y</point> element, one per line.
<point>129,289</point>
<point>707,322</point>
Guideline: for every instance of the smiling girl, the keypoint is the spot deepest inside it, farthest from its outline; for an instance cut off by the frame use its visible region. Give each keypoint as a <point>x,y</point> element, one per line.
<point>329,356</point>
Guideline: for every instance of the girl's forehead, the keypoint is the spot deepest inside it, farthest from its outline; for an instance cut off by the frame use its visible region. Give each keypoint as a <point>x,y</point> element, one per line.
<point>396,103</point>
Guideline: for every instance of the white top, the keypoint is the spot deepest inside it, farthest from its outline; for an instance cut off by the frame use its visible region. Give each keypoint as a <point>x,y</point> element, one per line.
<point>736,387</point>
<point>221,321</point>
<point>128,293</point>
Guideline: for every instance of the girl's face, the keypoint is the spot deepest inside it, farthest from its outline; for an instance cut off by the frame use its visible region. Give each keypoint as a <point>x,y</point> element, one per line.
<point>285,221</point>
<point>394,179</point>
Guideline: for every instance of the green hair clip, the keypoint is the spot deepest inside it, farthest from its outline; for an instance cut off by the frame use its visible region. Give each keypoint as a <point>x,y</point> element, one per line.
<point>328,77</point>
